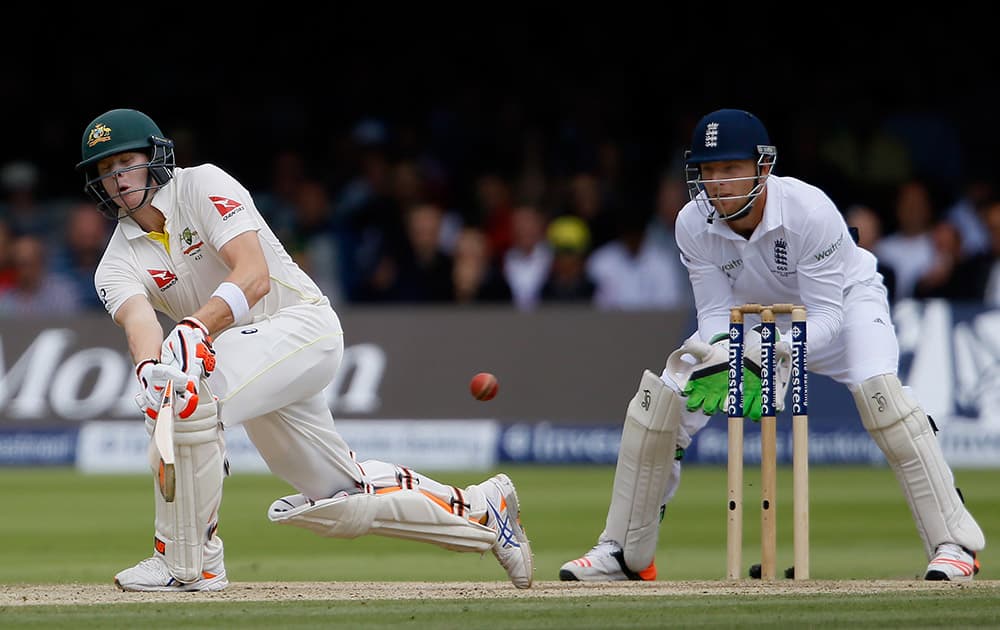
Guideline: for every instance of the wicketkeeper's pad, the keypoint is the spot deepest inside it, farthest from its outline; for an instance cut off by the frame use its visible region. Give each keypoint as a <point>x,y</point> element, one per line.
<point>645,464</point>
<point>904,433</point>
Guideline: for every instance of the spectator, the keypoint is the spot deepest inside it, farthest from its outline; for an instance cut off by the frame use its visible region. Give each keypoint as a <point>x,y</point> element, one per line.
<point>976,279</point>
<point>36,290</point>
<point>494,198</point>
<point>527,263</point>
<point>586,201</point>
<point>569,238</point>
<point>277,202</point>
<point>671,196</point>
<point>910,249</point>
<point>630,273</point>
<point>85,236</point>
<point>967,214</point>
<point>310,236</point>
<point>938,280</point>
<point>476,278</point>
<point>868,227</point>
<point>21,207</point>
<point>7,271</point>
<point>421,271</point>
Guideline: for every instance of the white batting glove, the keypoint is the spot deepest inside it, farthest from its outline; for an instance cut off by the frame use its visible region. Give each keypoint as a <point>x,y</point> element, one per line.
<point>188,347</point>
<point>153,377</point>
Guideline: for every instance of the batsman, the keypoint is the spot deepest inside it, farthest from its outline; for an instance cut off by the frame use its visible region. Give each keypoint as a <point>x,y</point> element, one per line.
<point>255,344</point>
<point>750,236</point>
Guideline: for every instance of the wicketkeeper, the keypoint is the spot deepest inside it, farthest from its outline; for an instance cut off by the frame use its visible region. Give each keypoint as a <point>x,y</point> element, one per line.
<point>255,343</point>
<point>749,236</point>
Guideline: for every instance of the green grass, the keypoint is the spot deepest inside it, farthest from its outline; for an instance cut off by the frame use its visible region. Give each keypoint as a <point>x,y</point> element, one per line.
<point>62,527</point>
<point>921,610</point>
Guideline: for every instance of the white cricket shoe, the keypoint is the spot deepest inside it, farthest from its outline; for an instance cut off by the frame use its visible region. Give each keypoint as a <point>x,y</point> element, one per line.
<point>152,575</point>
<point>605,562</point>
<point>503,514</point>
<point>952,563</point>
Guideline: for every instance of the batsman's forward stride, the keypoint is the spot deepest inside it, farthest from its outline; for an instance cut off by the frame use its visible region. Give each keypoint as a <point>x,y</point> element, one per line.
<point>750,236</point>
<point>255,344</point>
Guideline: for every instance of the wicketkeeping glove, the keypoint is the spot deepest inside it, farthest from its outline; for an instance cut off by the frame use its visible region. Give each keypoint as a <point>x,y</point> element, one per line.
<point>707,386</point>
<point>153,377</point>
<point>188,347</point>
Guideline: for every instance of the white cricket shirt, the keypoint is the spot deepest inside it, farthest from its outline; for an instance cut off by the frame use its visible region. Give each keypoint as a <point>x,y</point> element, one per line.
<point>801,252</point>
<point>179,270</point>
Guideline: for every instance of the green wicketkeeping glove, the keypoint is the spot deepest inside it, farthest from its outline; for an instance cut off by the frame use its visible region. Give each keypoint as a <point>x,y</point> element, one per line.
<point>708,386</point>
<point>751,391</point>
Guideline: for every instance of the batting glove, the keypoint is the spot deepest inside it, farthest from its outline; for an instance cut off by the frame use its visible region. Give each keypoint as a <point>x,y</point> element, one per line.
<point>153,377</point>
<point>188,347</point>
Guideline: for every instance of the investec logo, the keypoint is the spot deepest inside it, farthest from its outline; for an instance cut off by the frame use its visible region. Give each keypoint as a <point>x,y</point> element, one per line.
<point>735,360</point>
<point>800,393</point>
<point>766,351</point>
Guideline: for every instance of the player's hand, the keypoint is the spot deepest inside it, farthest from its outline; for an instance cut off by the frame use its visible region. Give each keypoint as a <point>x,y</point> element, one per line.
<point>707,385</point>
<point>752,406</point>
<point>188,347</point>
<point>153,377</point>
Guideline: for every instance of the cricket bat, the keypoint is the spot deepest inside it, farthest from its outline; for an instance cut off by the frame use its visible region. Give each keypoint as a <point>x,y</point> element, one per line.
<point>163,440</point>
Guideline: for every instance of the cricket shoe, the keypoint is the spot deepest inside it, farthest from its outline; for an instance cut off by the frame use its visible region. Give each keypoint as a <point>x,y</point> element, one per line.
<point>503,515</point>
<point>152,575</point>
<point>952,563</point>
<point>605,562</point>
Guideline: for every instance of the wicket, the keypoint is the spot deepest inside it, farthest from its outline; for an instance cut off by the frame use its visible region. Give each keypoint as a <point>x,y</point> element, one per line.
<point>768,455</point>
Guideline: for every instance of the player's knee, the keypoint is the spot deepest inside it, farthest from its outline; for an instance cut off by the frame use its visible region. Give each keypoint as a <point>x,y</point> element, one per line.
<point>882,402</point>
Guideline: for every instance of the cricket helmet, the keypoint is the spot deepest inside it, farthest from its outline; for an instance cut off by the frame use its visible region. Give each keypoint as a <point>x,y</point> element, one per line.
<point>119,131</point>
<point>726,135</point>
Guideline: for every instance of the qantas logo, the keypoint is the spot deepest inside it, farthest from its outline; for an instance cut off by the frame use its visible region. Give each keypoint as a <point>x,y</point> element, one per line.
<point>226,206</point>
<point>164,279</point>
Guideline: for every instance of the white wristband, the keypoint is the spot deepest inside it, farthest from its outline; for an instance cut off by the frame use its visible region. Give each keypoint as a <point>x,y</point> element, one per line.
<point>235,298</point>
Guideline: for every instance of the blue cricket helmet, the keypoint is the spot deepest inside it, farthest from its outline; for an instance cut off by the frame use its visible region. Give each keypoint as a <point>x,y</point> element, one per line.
<point>729,134</point>
<point>722,136</point>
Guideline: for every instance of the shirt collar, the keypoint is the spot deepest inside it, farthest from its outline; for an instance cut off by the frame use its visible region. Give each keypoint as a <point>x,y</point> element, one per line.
<point>163,200</point>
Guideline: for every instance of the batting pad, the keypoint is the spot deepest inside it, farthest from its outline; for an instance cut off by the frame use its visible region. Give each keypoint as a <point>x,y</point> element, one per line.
<point>645,464</point>
<point>184,526</point>
<point>397,513</point>
<point>903,432</point>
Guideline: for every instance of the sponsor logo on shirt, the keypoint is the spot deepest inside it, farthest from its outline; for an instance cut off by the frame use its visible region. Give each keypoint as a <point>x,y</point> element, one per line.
<point>826,253</point>
<point>164,278</point>
<point>732,265</point>
<point>227,207</point>
<point>191,244</point>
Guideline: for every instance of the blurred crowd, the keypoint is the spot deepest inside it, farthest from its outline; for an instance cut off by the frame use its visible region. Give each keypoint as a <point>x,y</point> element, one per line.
<point>400,223</point>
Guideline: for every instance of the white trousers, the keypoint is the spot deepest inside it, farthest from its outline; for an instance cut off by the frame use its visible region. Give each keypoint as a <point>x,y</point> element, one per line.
<point>270,378</point>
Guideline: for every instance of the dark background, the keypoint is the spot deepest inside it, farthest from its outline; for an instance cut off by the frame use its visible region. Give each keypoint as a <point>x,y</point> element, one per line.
<point>473,84</point>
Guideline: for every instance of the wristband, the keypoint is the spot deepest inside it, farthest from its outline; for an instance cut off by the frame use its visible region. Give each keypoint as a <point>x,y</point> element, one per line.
<point>235,298</point>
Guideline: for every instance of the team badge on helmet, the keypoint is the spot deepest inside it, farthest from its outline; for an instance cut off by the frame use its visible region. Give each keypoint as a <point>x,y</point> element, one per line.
<point>98,134</point>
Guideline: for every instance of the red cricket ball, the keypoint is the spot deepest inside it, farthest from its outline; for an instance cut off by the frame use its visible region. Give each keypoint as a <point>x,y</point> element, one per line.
<point>484,386</point>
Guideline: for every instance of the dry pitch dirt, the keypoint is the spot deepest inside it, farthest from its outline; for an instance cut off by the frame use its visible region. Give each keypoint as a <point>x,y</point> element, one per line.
<point>76,594</point>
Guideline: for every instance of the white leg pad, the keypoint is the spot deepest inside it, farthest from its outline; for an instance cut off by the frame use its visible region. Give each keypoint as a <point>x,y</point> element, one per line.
<point>407,514</point>
<point>184,526</point>
<point>902,430</point>
<point>644,470</point>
